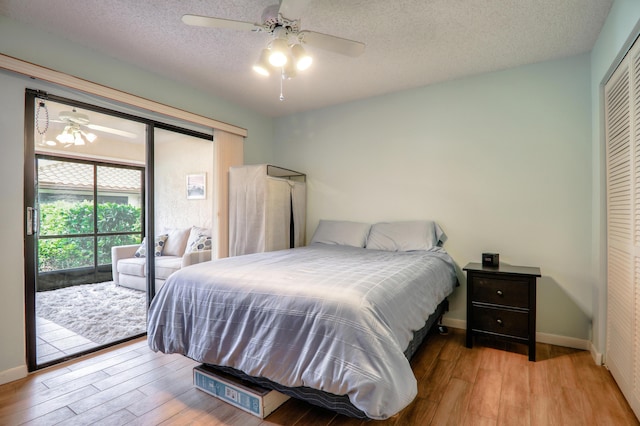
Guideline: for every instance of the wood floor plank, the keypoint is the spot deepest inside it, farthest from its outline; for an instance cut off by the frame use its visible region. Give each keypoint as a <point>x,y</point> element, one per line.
<point>452,348</point>
<point>491,384</point>
<point>113,392</point>
<point>433,384</point>
<point>128,373</point>
<point>467,365</point>
<point>60,415</point>
<point>426,356</point>
<point>545,410</point>
<point>32,412</point>
<point>514,415</point>
<point>453,406</point>
<point>485,397</point>
<point>573,411</point>
<point>118,351</point>
<point>515,383</point>
<point>103,411</point>
<point>120,417</point>
<point>198,410</point>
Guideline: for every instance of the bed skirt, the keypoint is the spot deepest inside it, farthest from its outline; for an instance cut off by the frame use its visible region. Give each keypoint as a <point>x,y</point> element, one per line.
<point>338,403</point>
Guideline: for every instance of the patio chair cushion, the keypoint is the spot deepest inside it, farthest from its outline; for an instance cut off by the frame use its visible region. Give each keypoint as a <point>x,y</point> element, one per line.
<point>132,266</point>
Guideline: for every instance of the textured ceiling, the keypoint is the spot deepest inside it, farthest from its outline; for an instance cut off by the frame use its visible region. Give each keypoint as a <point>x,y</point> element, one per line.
<point>409,43</point>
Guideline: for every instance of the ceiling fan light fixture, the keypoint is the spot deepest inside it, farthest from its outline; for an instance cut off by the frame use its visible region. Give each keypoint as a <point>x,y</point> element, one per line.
<point>72,135</point>
<point>262,65</point>
<point>278,54</point>
<point>77,140</point>
<point>301,57</point>
<point>288,71</point>
<point>90,137</point>
<point>65,136</point>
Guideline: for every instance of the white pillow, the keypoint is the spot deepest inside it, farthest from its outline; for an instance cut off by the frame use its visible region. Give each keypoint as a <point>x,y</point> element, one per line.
<point>157,247</point>
<point>341,232</point>
<point>176,241</point>
<point>404,236</point>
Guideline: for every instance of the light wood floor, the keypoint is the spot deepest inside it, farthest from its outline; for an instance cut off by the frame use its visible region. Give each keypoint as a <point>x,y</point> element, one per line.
<point>457,386</point>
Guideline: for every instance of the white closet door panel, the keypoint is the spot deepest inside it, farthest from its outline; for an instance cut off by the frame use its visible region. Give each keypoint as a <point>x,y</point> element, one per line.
<point>619,171</point>
<point>619,334</point>
<point>622,127</point>
<point>634,319</point>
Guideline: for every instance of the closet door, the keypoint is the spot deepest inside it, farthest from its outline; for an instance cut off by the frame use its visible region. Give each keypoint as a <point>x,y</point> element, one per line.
<point>622,126</point>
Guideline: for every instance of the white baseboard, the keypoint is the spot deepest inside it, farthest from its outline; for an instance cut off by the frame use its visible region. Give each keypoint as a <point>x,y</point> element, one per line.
<point>454,323</point>
<point>597,356</point>
<point>552,339</point>
<point>12,374</point>
<point>567,342</point>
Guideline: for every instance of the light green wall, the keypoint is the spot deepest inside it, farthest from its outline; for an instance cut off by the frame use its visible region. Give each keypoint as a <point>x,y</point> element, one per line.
<point>33,45</point>
<point>12,331</point>
<point>502,161</point>
<point>621,27</point>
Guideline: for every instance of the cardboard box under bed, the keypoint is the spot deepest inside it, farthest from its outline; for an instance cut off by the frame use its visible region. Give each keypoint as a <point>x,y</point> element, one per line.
<point>247,396</point>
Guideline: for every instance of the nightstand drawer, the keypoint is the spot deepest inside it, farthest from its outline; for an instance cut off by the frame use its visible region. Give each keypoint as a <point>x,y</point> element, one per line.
<point>506,292</point>
<point>501,321</point>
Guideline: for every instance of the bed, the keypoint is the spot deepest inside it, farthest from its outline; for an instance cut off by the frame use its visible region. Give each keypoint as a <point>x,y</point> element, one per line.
<point>334,322</point>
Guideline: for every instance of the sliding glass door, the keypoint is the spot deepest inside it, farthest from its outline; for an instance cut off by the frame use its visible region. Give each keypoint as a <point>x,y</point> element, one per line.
<point>84,195</point>
<point>84,209</point>
<point>100,187</point>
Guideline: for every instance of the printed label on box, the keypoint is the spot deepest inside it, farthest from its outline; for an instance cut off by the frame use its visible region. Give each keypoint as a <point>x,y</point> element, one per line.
<point>228,393</point>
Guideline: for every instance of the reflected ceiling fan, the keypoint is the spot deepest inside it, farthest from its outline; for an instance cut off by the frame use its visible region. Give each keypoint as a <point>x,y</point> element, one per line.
<point>77,129</point>
<point>285,52</point>
<point>74,133</point>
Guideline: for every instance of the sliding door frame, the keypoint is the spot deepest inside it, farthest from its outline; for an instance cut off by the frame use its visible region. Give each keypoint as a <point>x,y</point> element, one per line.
<point>29,198</point>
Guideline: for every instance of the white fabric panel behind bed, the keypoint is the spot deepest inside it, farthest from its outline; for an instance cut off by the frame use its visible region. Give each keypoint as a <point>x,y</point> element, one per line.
<point>299,199</point>
<point>260,211</point>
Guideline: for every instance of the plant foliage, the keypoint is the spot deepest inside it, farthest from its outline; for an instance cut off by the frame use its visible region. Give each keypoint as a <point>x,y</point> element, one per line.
<point>66,221</point>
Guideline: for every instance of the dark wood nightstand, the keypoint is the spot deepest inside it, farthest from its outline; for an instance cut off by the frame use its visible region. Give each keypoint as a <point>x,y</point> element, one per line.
<point>501,302</point>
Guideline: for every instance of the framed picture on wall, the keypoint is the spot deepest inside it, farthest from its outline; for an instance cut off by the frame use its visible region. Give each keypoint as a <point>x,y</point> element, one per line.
<point>197,186</point>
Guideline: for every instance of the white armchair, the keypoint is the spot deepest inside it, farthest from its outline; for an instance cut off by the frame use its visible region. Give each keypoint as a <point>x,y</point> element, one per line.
<point>182,248</point>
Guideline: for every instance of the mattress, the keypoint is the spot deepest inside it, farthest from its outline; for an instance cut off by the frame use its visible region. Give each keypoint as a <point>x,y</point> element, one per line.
<point>333,318</point>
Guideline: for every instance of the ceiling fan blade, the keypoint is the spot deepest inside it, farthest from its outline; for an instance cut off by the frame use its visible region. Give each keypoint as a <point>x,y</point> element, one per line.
<point>207,21</point>
<point>292,9</point>
<point>113,131</point>
<point>331,43</point>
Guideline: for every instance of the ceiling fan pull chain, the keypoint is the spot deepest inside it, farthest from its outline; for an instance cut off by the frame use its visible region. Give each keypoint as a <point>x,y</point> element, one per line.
<point>42,106</point>
<point>281,84</point>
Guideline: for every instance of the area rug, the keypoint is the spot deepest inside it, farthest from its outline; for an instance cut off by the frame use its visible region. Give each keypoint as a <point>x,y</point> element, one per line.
<point>103,312</point>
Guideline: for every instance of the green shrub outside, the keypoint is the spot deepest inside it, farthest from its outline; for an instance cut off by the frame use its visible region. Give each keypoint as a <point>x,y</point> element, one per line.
<point>68,219</point>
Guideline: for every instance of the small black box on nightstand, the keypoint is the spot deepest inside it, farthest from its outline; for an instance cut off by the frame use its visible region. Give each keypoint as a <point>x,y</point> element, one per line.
<point>490,259</point>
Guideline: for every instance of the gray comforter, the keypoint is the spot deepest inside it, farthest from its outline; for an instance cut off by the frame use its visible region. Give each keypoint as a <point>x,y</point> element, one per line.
<point>328,317</point>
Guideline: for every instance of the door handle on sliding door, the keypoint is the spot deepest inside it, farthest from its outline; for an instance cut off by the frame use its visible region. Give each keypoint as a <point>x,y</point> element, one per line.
<point>32,221</point>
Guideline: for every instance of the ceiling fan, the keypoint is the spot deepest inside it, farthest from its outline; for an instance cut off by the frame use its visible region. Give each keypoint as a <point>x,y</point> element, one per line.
<point>74,132</point>
<point>284,52</point>
<point>77,128</point>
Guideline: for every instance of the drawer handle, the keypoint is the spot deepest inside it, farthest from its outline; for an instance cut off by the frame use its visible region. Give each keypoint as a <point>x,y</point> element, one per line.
<point>499,321</point>
<point>499,293</point>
